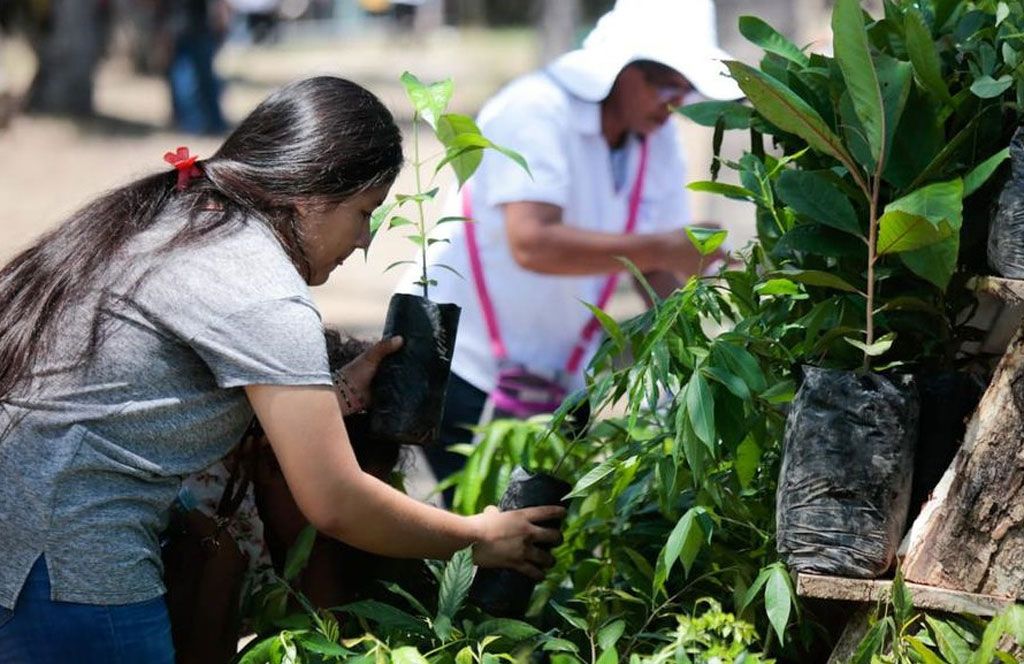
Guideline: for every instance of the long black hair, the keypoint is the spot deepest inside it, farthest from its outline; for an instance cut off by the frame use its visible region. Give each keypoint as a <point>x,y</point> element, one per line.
<point>316,141</point>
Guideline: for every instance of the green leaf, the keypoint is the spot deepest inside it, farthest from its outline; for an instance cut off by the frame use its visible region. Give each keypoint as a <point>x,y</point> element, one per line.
<point>783,108</point>
<point>609,325</point>
<point>398,222</point>
<point>899,231</point>
<point>430,101</point>
<point>514,630</point>
<point>941,204</point>
<point>728,190</point>
<point>610,634</point>
<point>455,582</point>
<point>464,145</point>
<point>734,115</point>
<point>989,641</point>
<point>407,655</point>
<point>872,643</point>
<point>777,287</point>
<point>748,459</point>
<point>907,303</point>
<point>777,599</point>
<point>321,645</point>
<point>407,596</point>
<point>877,348</point>
<point>387,616</point>
<point>983,171</point>
<point>595,475</point>
<point>923,53</point>
<point>379,215</point>
<point>952,646</point>
<point>560,645</point>
<point>683,544</point>
<point>987,87</point>
<point>942,201</point>
<point>815,278</point>
<point>813,196</point>
<point>570,616</point>
<point>922,651</point>
<point>298,554</point>
<point>761,34</point>
<point>261,653</point>
<point>820,240</point>
<point>731,382</point>
<point>1002,13</point>
<point>850,43</point>
<point>700,406</point>
<point>398,263</point>
<point>742,363</point>
<point>755,587</point>
<point>705,240</point>
<point>417,198</point>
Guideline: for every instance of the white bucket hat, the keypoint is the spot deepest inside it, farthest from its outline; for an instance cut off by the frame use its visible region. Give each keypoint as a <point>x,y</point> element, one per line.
<point>680,34</point>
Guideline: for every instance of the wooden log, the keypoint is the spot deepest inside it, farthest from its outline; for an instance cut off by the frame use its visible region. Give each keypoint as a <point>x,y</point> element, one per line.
<point>970,535</point>
<point>873,591</point>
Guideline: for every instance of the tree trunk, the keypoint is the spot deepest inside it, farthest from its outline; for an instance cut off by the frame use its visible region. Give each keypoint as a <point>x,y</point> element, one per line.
<point>970,535</point>
<point>68,48</point>
<point>558,24</point>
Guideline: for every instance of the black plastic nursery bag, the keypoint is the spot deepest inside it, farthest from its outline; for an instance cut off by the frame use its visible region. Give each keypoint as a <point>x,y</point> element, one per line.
<point>1006,232</point>
<point>847,467</point>
<point>409,388</point>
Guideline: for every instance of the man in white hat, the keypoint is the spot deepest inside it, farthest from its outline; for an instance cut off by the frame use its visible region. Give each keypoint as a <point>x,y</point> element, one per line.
<point>594,128</point>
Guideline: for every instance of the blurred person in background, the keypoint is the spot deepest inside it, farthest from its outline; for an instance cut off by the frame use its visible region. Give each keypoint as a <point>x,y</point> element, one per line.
<point>594,128</point>
<point>190,33</point>
<point>404,13</point>
<point>257,19</point>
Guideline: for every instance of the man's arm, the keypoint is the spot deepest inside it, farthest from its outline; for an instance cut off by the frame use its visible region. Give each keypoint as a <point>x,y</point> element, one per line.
<point>540,242</point>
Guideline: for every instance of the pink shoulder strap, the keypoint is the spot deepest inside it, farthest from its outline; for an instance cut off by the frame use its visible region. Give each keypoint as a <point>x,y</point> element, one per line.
<point>487,306</point>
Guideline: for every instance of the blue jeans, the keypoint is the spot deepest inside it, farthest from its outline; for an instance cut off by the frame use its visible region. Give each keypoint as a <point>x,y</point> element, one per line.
<point>195,88</point>
<point>41,631</point>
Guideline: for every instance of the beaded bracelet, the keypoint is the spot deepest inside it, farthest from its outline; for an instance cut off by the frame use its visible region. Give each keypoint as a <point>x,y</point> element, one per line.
<point>347,393</point>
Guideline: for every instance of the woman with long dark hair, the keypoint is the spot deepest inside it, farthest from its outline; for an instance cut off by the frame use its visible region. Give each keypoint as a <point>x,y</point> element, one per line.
<point>138,338</point>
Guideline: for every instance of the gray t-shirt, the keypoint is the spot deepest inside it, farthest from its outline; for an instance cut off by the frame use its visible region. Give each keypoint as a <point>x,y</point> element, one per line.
<point>96,453</point>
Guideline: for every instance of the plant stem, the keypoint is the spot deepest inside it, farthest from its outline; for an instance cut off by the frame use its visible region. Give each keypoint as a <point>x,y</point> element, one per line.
<point>876,186</point>
<point>872,238</point>
<point>422,225</point>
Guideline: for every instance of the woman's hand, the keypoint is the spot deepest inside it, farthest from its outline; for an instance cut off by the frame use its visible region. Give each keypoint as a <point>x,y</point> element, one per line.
<point>510,539</point>
<point>353,380</point>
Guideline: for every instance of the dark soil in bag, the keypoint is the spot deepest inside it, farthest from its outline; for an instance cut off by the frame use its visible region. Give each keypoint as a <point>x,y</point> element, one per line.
<point>844,485</point>
<point>1006,231</point>
<point>503,592</point>
<point>947,399</point>
<point>409,388</point>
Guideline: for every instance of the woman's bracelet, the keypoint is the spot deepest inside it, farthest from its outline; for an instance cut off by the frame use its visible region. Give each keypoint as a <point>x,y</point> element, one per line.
<point>352,402</point>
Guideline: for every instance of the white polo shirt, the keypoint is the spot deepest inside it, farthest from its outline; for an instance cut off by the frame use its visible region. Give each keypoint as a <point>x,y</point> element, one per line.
<point>541,316</point>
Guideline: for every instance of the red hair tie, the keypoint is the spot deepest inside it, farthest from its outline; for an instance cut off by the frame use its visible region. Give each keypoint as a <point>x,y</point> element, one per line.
<point>185,164</point>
